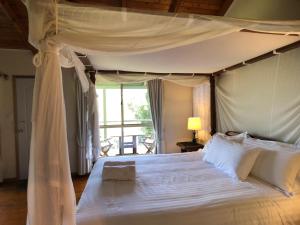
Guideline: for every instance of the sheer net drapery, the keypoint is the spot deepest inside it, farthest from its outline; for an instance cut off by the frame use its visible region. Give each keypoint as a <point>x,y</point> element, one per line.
<point>93,125</point>
<point>272,109</point>
<point>127,78</point>
<point>57,28</point>
<point>51,198</point>
<point>84,162</point>
<point>201,108</point>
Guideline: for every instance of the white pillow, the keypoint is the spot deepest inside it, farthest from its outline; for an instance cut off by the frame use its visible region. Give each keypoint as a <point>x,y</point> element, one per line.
<point>272,145</point>
<point>278,168</point>
<point>237,138</point>
<point>231,157</point>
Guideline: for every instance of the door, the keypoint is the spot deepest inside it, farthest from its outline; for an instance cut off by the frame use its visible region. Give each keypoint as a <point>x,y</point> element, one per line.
<point>24,94</point>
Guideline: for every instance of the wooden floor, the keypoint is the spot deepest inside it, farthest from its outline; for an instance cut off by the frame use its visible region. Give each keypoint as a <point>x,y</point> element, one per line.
<point>13,207</point>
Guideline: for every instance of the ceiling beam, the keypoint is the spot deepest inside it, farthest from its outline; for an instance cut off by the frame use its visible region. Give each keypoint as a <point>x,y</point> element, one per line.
<point>20,27</point>
<point>174,5</point>
<point>225,6</point>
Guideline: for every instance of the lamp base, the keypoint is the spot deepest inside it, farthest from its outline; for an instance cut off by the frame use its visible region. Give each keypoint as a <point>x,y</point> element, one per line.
<point>194,137</point>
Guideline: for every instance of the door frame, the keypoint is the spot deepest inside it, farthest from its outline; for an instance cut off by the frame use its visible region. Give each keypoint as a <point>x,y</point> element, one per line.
<point>15,77</point>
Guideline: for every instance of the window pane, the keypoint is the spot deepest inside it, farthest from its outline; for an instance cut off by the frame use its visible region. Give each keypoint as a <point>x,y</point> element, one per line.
<point>136,105</point>
<point>111,136</point>
<point>134,138</point>
<point>136,110</point>
<point>109,103</point>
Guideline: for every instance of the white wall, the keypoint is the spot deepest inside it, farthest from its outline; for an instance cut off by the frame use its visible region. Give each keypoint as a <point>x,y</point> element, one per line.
<point>12,62</point>
<point>19,62</point>
<point>7,127</point>
<point>16,62</point>
<point>178,106</point>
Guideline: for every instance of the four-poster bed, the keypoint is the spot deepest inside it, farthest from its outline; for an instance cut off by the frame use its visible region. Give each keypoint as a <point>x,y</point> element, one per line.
<point>182,189</point>
<point>59,29</point>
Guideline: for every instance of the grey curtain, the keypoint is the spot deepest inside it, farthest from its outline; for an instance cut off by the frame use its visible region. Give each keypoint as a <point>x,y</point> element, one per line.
<point>155,90</point>
<point>84,163</point>
<point>94,146</point>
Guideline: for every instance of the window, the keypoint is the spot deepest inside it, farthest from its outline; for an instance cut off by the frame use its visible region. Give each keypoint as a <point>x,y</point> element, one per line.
<point>125,118</point>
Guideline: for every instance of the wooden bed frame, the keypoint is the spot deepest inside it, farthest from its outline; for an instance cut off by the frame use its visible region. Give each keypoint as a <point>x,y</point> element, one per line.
<point>233,133</point>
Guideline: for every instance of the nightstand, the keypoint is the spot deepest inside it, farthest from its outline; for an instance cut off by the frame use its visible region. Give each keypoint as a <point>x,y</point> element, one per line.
<point>189,146</point>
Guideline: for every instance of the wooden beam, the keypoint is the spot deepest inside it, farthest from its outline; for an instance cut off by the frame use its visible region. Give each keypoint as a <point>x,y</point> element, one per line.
<point>289,47</point>
<point>213,110</point>
<point>22,30</point>
<point>225,6</point>
<point>261,57</point>
<point>261,32</point>
<point>149,73</point>
<point>93,77</point>
<point>174,5</point>
<point>89,68</point>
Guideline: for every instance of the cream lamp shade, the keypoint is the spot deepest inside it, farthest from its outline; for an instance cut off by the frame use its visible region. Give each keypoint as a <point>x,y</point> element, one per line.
<point>194,123</point>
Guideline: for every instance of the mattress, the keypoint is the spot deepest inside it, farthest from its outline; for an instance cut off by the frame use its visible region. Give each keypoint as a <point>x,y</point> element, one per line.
<point>181,189</point>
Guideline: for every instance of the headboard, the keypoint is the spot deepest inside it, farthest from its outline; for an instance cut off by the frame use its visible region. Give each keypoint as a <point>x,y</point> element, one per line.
<point>233,133</point>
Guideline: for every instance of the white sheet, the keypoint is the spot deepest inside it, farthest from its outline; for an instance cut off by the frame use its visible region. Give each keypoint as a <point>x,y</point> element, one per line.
<point>181,189</point>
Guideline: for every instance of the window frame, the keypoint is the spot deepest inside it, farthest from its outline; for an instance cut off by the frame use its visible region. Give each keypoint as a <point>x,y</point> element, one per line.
<point>122,125</point>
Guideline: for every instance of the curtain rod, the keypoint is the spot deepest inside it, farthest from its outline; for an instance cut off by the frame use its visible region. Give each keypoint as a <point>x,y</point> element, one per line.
<point>115,72</point>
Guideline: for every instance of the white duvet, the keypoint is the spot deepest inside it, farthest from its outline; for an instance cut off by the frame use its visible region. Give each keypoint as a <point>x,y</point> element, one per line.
<point>181,189</point>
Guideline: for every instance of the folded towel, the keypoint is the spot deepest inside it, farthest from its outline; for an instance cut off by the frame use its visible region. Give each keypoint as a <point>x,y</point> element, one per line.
<point>119,163</point>
<point>122,172</point>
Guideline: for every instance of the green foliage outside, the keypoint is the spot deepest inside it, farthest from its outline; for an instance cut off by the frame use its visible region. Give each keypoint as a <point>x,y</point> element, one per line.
<point>143,114</point>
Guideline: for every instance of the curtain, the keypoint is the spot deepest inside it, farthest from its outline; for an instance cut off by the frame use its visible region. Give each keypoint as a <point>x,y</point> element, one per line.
<point>262,98</point>
<point>155,91</point>
<point>116,31</point>
<point>88,128</point>
<point>51,197</point>
<point>93,125</point>
<point>84,163</point>
<point>201,108</point>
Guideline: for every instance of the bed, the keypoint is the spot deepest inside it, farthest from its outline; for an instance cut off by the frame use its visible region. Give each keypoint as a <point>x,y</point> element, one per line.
<point>181,189</point>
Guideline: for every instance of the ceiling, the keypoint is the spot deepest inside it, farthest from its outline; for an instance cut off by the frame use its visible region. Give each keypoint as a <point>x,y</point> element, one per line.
<point>13,14</point>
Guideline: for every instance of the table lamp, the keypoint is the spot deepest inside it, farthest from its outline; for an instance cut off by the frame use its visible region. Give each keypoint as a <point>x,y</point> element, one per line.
<point>194,123</point>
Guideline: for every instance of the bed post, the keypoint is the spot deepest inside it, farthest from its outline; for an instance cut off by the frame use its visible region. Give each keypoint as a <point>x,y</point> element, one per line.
<point>93,76</point>
<point>213,117</point>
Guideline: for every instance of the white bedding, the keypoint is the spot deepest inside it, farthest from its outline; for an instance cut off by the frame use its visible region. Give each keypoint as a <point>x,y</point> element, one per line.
<point>181,189</point>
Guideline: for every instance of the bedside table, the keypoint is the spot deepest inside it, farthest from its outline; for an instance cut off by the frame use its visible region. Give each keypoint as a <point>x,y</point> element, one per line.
<point>189,146</point>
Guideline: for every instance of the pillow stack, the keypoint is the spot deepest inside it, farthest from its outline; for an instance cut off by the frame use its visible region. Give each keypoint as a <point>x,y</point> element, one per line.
<point>273,162</point>
<point>278,164</point>
<point>230,156</point>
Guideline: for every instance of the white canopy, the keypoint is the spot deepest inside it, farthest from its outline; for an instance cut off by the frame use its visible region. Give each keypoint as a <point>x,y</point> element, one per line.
<point>204,57</point>
<point>57,28</point>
